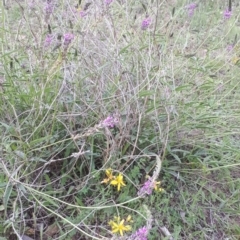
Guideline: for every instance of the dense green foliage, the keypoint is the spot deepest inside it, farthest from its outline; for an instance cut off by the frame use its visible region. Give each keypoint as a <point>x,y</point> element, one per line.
<point>98,100</point>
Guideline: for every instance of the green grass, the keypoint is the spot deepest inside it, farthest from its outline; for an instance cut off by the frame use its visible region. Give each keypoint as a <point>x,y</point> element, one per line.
<point>174,89</point>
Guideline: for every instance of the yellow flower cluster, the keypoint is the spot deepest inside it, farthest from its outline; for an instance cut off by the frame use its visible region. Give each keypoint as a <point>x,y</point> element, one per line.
<point>114,180</point>
<point>157,187</point>
<point>118,225</point>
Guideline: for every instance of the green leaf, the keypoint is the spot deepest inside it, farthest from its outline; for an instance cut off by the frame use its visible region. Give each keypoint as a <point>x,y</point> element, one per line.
<point>49,201</point>
<point>20,154</point>
<point>7,195</point>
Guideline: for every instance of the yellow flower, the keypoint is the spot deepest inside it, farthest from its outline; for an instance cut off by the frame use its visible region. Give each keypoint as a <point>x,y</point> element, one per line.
<point>109,175</point>
<point>129,218</point>
<point>118,181</point>
<point>157,187</point>
<point>235,60</point>
<point>118,226</point>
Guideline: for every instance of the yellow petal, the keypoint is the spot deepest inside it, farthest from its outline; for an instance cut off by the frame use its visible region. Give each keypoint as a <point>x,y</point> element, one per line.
<point>114,182</point>
<point>122,222</point>
<point>127,228</point>
<point>156,185</point>
<point>108,172</point>
<point>114,225</point>
<point>110,223</point>
<point>120,177</point>
<point>235,60</point>
<point>114,230</point>
<point>105,180</point>
<point>129,218</point>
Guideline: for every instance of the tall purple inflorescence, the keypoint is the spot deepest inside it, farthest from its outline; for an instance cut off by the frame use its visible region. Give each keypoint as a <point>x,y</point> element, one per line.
<point>82,13</point>
<point>110,122</point>
<point>140,234</point>
<point>227,14</point>
<point>230,47</point>
<point>107,2</point>
<point>48,7</point>
<point>147,188</point>
<point>191,8</point>
<point>48,40</point>
<point>145,23</point>
<point>67,38</point>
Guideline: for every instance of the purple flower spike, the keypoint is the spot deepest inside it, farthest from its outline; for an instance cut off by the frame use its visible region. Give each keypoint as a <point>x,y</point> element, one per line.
<point>147,188</point>
<point>140,234</point>
<point>230,47</point>
<point>109,122</point>
<point>48,40</point>
<point>82,14</point>
<point>227,14</point>
<point>67,38</point>
<point>145,23</point>
<point>48,8</point>
<point>107,2</point>
<point>191,8</point>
